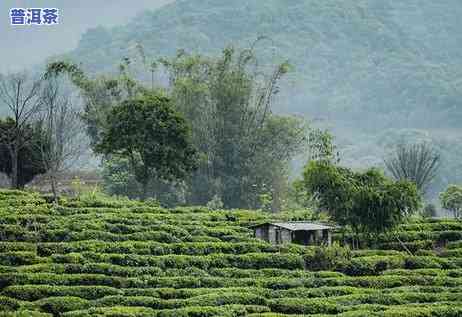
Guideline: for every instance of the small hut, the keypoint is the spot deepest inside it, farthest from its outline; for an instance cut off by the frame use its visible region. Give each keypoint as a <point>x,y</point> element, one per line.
<point>299,232</point>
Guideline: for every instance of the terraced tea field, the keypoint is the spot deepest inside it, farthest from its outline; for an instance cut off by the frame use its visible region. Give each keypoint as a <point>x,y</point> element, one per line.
<point>122,258</point>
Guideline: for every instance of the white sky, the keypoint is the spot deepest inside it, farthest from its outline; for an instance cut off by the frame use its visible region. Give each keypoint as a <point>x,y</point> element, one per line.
<point>23,46</point>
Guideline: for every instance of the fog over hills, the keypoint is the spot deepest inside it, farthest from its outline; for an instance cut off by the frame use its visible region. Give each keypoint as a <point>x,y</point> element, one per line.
<point>372,71</point>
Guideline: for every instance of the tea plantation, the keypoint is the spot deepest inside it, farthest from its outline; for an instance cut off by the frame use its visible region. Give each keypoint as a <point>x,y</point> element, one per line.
<point>125,258</point>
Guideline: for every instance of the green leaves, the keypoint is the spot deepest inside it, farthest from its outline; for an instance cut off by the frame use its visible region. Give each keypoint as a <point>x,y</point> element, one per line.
<point>366,201</point>
<point>154,138</point>
<point>451,199</point>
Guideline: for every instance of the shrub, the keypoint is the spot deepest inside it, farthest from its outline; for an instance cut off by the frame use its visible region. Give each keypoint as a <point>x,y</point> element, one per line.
<point>327,258</point>
<point>304,306</point>
<point>226,298</point>
<point>450,236</point>
<point>58,305</point>
<point>36,292</point>
<point>116,311</point>
<point>7,303</point>
<point>24,313</point>
<point>372,265</point>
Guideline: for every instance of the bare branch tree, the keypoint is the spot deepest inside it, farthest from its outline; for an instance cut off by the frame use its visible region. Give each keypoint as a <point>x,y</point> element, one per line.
<point>418,163</point>
<point>21,95</point>
<point>63,130</point>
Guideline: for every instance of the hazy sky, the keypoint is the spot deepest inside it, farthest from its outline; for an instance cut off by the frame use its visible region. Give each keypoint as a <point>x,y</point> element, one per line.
<point>23,46</point>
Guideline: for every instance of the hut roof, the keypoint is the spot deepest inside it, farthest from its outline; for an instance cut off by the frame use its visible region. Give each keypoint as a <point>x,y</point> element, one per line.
<point>297,225</point>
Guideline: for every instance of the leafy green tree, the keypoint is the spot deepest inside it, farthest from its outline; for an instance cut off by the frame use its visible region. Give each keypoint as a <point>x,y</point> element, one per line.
<point>380,207</point>
<point>320,147</point>
<point>154,138</point>
<point>243,146</point>
<point>29,157</point>
<point>451,199</point>
<point>332,186</point>
<point>367,201</point>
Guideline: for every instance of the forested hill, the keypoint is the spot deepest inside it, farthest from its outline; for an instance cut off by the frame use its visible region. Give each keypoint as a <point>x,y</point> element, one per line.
<point>363,66</point>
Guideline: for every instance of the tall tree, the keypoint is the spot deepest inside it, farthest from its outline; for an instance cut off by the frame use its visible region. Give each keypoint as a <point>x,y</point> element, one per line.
<point>99,94</point>
<point>152,136</point>
<point>451,199</point>
<point>21,95</point>
<point>418,163</point>
<point>243,145</point>
<point>227,101</point>
<point>367,201</point>
<point>62,128</point>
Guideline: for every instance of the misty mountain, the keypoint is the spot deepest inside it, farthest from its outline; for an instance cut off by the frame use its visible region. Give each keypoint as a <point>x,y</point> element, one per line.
<point>373,71</point>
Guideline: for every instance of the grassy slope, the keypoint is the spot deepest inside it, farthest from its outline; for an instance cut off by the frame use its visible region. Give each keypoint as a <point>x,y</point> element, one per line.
<point>98,257</point>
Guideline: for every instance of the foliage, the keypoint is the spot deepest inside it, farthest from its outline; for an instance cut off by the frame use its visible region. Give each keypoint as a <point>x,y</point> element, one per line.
<point>227,102</point>
<point>194,26</point>
<point>242,144</point>
<point>329,258</point>
<point>362,98</point>
<point>451,199</point>
<point>119,180</point>
<point>99,95</point>
<point>30,161</point>
<point>152,136</point>
<point>366,201</point>
<point>117,257</point>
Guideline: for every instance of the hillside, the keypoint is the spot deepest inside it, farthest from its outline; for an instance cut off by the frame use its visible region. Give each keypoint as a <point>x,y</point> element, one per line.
<point>350,56</point>
<point>369,70</point>
<point>94,257</point>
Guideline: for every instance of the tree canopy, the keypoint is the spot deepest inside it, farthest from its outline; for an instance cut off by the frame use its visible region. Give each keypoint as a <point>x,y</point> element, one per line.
<point>244,147</point>
<point>451,199</point>
<point>152,136</point>
<point>365,201</point>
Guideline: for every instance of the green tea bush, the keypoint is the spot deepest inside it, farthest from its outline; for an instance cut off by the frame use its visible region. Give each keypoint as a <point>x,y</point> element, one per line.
<point>372,265</point>
<point>130,259</point>
<point>116,311</point>
<point>204,311</point>
<point>20,258</point>
<point>58,305</point>
<point>329,258</point>
<point>7,303</point>
<point>226,298</point>
<point>36,292</point>
<point>450,235</point>
<point>137,301</point>
<point>24,313</point>
<point>304,306</point>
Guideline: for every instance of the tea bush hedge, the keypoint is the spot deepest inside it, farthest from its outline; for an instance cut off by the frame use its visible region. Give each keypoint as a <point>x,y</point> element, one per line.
<point>116,257</point>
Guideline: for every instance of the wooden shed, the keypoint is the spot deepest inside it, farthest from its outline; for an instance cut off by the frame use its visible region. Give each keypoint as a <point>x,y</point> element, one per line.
<point>299,232</point>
